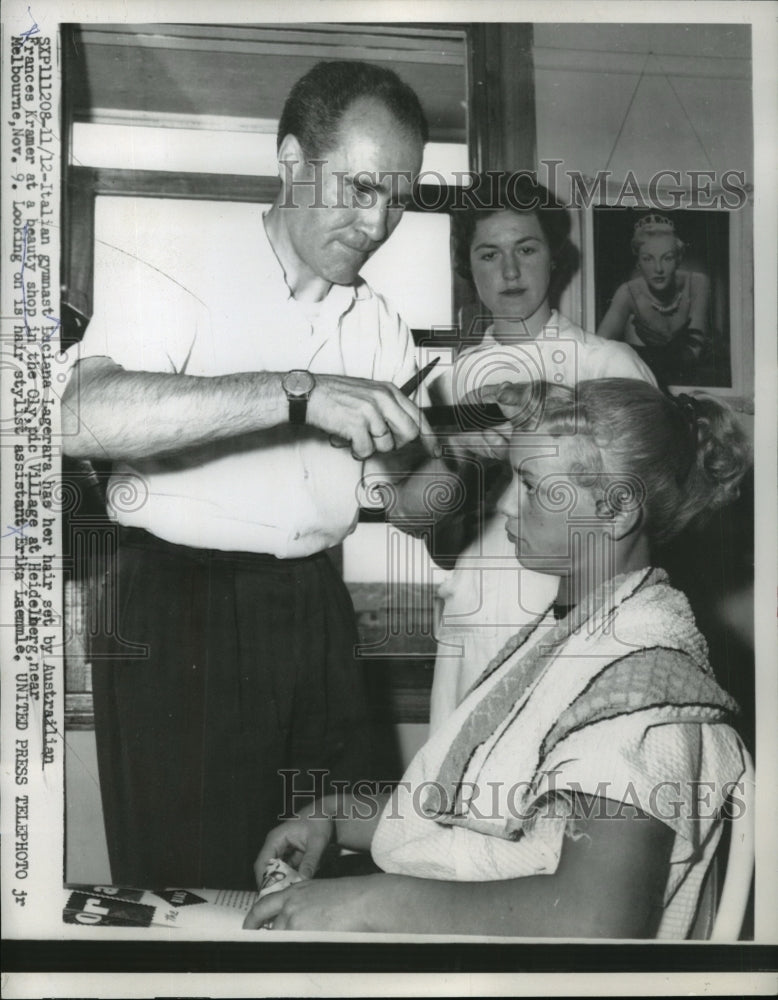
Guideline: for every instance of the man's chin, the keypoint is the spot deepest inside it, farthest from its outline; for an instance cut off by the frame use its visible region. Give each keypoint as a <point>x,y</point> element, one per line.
<point>344,275</point>
<point>345,280</point>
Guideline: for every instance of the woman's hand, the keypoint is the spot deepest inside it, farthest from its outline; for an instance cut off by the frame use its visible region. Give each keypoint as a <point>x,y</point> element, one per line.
<point>687,347</point>
<point>495,441</point>
<point>299,842</point>
<point>609,882</point>
<point>341,904</point>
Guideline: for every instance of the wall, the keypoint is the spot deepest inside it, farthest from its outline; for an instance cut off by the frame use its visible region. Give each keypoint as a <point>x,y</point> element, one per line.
<point>644,97</point>
<point>86,856</point>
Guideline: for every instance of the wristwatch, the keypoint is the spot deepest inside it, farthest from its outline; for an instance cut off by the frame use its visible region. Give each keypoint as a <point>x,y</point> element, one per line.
<point>298,385</point>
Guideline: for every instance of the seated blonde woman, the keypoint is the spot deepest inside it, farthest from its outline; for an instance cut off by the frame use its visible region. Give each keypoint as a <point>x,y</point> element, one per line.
<point>562,796</point>
<point>515,248</point>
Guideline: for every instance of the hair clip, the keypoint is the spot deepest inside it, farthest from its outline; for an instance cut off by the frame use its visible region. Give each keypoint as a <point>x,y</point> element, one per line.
<point>653,220</point>
<point>688,406</point>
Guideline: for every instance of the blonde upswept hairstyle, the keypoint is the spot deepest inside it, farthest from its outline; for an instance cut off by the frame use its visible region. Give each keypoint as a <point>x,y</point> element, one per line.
<point>678,457</point>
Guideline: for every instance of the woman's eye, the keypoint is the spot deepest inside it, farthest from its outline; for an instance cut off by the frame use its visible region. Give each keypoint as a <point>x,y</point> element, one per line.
<point>489,255</point>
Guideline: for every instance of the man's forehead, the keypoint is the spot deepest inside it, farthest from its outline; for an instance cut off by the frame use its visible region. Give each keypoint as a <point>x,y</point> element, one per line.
<point>369,127</point>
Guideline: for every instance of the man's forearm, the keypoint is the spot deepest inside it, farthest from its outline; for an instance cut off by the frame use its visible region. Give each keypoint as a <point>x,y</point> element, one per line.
<point>419,491</point>
<point>110,413</point>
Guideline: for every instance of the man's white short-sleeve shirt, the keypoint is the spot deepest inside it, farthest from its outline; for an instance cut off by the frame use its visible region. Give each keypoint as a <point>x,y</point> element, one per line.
<point>285,491</point>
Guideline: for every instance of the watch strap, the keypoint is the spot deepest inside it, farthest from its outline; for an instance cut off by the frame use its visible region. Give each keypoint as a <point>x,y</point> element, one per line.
<point>298,406</point>
<point>298,385</point>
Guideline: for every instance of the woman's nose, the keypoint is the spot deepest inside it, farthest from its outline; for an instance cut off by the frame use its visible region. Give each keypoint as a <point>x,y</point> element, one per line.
<point>510,267</point>
<point>508,504</point>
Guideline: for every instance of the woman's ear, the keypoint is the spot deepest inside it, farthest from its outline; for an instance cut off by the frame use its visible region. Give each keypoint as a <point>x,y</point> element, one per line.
<point>628,521</point>
<point>625,521</point>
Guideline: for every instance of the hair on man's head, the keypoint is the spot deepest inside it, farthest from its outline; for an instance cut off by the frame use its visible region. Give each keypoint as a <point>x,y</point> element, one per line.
<point>316,104</point>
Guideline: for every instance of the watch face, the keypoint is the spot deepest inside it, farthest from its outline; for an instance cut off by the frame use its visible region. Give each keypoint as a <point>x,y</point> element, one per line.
<point>298,383</point>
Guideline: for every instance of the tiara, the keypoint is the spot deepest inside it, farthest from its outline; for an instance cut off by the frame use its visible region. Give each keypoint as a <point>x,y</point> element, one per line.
<point>653,220</point>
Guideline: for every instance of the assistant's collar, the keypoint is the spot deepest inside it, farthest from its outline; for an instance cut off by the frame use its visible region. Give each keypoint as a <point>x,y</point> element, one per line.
<point>489,339</point>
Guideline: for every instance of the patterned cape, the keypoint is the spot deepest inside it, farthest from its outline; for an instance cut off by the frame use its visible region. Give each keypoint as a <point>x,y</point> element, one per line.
<point>621,705</point>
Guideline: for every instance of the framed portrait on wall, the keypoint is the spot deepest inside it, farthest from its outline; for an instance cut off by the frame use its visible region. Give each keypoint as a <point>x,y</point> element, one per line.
<point>671,284</point>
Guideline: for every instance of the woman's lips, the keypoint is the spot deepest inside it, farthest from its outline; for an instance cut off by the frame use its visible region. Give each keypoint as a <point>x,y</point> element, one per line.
<point>513,291</point>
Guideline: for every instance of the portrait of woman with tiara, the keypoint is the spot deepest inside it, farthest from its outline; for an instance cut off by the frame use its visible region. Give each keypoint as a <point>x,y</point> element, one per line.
<point>663,311</point>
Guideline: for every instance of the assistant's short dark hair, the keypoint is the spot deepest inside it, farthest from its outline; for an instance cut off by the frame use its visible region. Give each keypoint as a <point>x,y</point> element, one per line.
<point>316,104</point>
<point>495,191</point>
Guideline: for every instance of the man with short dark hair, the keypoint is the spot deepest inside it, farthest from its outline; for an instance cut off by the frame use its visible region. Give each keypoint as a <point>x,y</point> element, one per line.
<point>224,424</point>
